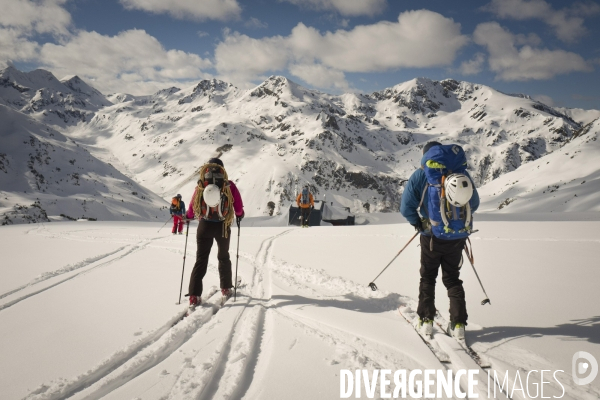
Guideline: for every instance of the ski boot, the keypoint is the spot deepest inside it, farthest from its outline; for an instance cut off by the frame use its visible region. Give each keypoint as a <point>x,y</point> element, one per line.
<point>424,327</point>
<point>195,301</point>
<point>457,330</point>
<point>226,294</point>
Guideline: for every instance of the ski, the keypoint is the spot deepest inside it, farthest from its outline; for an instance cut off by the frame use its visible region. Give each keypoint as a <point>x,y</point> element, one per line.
<point>463,343</point>
<point>187,311</point>
<point>437,352</point>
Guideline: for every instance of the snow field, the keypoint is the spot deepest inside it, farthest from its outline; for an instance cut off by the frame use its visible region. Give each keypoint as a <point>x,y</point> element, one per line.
<point>304,311</point>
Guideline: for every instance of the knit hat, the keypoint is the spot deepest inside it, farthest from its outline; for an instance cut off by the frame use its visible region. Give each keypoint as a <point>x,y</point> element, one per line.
<point>216,161</point>
<point>430,145</point>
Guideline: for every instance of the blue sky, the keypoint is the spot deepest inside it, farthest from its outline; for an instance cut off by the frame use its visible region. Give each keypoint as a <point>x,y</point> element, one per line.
<point>547,49</point>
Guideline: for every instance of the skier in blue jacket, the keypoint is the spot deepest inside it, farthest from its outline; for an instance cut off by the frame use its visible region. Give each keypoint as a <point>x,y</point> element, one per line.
<point>435,252</point>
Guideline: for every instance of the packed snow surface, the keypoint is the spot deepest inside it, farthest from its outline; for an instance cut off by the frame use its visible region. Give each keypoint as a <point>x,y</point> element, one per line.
<point>86,309</point>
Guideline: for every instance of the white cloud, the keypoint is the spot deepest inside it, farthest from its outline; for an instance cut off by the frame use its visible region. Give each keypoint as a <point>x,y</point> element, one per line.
<point>351,8</point>
<point>473,66</point>
<point>516,64</point>
<point>199,10</point>
<point>567,23</point>
<point>15,47</point>
<point>320,76</point>
<point>202,34</point>
<point>45,16</point>
<point>131,61</point>
<point>255,23</point>
<point>419,39</point>
<point>246,58</point>
<point>21,19</point>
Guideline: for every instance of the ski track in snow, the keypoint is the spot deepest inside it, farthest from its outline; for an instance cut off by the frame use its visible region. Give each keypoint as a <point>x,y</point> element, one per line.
<point>67,268</point>
<point>88,262</point>
<point>232,366</point>
<point>125,251</point>
<point>129,362</point>
<point>229,370</point>
<point>143,354</point>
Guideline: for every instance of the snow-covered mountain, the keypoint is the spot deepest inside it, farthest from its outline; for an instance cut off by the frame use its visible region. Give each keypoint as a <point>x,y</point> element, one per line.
<point>580,115</point>
<point>44,175</point>
<point>568,180</point>
<point>355,149</point>
<point>352,149</point>
<point>39,94</point>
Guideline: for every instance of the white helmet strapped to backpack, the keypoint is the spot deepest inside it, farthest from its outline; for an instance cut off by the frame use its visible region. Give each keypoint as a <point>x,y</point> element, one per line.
<point>212,195</point>
<point>459,189</point>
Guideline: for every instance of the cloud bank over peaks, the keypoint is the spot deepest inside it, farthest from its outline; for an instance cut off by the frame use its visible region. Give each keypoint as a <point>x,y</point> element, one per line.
<point>420,38</point>
<point>513,63</point>
<point>132,61</point>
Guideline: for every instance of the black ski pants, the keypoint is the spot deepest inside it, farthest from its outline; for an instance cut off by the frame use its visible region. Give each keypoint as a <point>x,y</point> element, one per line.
<point>448,254</point>
<point>304,213</point>
<point>205,235</point>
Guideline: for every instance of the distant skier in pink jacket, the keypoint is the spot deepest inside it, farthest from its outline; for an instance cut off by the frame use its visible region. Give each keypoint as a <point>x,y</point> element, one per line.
<point>215,214</point>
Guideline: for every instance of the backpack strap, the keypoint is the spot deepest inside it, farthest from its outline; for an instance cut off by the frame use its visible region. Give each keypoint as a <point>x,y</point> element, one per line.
<point>423,195</point>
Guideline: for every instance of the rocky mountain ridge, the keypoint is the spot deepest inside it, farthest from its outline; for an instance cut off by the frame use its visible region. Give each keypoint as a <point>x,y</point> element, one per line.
<point>352,149</point>
<point>39,94</point>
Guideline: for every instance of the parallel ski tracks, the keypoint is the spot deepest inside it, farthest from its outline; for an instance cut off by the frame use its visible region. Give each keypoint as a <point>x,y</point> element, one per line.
<point>57,277</point>
<point>235,356</point>
<point>36,286</point>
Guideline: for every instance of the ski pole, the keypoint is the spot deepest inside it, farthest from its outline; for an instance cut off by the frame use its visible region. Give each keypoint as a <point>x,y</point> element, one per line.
<point>372,284</point>
<point>295,215</point>
<point>184,253</point>
<point>164,224</point>
<point>471,258</point>
<point>237,259</point>
<point>309,212</point>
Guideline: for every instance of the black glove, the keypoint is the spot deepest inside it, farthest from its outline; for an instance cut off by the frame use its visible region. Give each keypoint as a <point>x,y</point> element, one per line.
<point>418,226</point>
<point>239,218</point>
<point>312,208</point>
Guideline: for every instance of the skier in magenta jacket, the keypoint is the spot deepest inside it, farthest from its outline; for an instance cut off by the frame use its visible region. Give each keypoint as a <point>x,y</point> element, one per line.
<point>212,228</point>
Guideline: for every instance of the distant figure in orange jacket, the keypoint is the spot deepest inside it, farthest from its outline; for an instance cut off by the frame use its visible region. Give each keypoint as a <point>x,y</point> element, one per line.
<point>306,202</point>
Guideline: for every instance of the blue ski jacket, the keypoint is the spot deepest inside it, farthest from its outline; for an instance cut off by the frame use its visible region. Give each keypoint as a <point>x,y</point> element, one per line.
<point>413,191</point>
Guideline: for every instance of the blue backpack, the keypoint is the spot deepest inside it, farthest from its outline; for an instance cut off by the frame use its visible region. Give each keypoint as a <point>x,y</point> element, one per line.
<point>305,199</point>
<point>447,221</point>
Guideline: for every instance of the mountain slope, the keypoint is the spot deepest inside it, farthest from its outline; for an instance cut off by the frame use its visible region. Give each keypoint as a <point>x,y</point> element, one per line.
<point>39,94</point>
<point>45,174</point>
<point>353,149</point>
<point>567,180</point>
